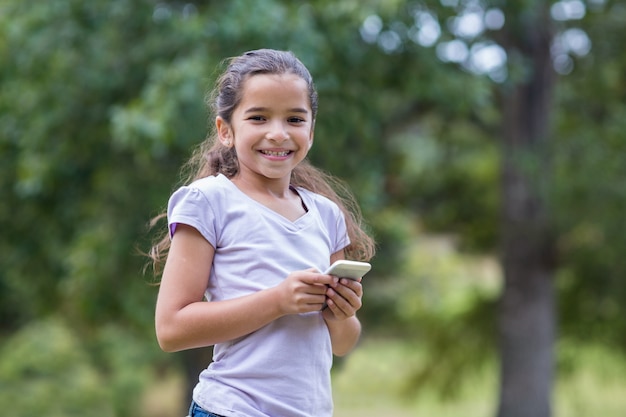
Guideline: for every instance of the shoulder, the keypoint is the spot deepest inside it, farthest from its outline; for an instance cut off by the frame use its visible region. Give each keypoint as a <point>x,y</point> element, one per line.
<point>330,215</point>
<point>322,204</point>
<point>207,188</point>
<point>210,185</point>
<point>199,195</point>
<point>200,205</point>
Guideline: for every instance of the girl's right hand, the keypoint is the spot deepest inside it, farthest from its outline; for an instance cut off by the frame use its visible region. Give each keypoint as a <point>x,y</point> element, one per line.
<point>304,291</point>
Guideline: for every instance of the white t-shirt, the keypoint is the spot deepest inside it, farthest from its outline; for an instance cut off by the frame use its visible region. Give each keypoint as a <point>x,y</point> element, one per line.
<point>282,369</point>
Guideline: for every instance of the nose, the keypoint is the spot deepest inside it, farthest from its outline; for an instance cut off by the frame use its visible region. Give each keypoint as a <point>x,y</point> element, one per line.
<point>277,132</point>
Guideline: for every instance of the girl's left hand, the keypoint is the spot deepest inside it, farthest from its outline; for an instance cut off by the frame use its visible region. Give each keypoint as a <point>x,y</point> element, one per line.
<point>343,299</point>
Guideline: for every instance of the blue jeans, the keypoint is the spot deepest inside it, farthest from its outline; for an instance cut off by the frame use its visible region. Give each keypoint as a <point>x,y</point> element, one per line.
<point>196,411</point>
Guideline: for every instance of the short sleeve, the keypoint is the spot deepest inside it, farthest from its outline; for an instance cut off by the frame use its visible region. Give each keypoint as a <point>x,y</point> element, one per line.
<point>341,239</point>
<point>188,205</point>
<point>331,217</point>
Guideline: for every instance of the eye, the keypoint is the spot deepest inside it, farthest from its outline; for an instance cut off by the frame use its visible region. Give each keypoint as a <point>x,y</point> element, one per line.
<point>296,120</point>
<point>256,118</point>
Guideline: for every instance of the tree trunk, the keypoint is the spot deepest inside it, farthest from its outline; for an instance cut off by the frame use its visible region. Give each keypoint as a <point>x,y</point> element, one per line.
<point>527,323</point>
<point>194,361</point>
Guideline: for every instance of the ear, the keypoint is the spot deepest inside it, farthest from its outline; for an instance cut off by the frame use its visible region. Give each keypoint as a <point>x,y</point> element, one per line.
<point>224,131</point>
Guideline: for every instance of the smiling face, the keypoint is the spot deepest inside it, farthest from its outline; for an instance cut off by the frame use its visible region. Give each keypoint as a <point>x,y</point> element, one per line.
<point>271,128</point>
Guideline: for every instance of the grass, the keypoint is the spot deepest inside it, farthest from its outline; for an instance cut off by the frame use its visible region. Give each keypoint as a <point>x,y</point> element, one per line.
<point>592,383</point>
<point>595,386</point>
<point>372,379</point>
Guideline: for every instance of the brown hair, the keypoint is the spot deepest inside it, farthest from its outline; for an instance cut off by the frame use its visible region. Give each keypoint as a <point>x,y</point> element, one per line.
<point>211,157</point>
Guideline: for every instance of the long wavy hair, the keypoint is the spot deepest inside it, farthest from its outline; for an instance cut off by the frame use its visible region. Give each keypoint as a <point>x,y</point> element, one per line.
<point>211,157</point>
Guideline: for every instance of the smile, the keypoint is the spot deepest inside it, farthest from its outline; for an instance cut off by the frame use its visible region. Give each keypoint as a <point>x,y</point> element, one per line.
<point>274,153</point>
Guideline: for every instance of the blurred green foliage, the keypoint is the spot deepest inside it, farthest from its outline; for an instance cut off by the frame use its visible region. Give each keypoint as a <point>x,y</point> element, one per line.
<point>102,101</point>
<point>49,365</point>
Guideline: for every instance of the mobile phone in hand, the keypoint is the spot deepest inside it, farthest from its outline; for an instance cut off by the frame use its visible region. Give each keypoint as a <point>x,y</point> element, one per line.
<point>348,269</point>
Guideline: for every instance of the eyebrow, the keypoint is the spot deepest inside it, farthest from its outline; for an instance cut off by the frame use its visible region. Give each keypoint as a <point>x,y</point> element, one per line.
<point>262,109</point>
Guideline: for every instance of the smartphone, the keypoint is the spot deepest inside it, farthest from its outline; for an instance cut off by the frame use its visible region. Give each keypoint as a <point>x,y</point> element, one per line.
<point>348,269</point>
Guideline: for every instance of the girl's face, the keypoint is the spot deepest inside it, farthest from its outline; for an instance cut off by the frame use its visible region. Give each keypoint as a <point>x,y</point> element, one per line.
<point>271,128</point>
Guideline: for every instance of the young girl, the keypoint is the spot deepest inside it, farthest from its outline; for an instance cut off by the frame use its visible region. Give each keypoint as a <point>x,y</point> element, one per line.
<point>250,233</point>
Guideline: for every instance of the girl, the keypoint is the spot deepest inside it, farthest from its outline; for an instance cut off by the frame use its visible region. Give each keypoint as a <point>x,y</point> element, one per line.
<point>251,233</point>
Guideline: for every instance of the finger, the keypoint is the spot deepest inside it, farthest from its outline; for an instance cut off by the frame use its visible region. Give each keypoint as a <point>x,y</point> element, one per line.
<point>317,300</point>
<point>316,289</point>
<point>336,311</point>
<point>335,306</point>
<point>318,278</point>
<point>345,305</point>
<point>352,283</point>
<point>312,302</point>
<point>348,287</point>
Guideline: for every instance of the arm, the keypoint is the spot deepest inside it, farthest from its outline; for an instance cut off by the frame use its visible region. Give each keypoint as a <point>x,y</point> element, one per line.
<point>184,321</point>
<point>344,299</point>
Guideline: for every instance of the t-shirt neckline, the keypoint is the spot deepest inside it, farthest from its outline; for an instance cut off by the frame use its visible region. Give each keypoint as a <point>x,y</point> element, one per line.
<point>299,222</point>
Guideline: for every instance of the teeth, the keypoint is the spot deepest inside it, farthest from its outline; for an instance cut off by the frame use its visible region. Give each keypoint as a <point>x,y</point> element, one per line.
<point>272,153</point>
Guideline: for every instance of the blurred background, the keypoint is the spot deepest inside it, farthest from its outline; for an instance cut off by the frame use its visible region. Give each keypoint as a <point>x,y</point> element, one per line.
<point>483,139</point>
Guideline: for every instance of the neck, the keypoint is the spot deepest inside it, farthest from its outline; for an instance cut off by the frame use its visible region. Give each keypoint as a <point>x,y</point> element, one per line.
<point>278,188</point>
